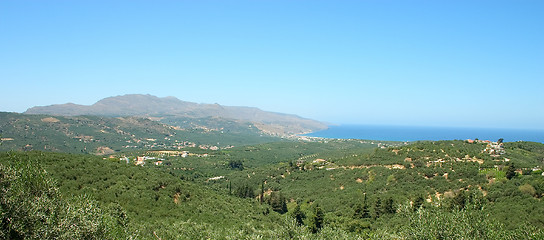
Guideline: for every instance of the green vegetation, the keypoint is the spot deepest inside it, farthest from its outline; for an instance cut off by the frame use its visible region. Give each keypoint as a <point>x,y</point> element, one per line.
<point>318,189</point>
<point>105,135</point>
<point>362,192</point>
<point>31,207</point>
<point>152,200</point>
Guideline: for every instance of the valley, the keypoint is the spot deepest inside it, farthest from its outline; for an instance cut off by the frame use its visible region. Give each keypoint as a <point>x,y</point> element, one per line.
<point>172,177</point>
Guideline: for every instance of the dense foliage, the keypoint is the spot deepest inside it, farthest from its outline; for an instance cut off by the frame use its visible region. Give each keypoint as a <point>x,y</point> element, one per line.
<point>334,189</point>
<point>31,207</point>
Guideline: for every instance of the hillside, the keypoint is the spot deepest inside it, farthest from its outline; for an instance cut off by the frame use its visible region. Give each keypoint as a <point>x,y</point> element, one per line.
<point>437,176</point>
<point>342,176</point>
<point>107,135</point>
<point>333,189</point>
<point>147,203</point>
<point>172,108</point>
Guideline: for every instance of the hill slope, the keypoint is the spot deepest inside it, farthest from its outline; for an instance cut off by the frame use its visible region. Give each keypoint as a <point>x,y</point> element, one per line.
<point>152,203</point>
<point>457,198</point>
<point>104,135</point>
<point>171,107</point>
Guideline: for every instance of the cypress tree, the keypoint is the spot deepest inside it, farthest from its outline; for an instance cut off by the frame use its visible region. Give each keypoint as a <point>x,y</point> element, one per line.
<point>366,212</point>
<point>262,192</point>
<point>418,202</point>
<point>378,208</point>
<point>318,218</point>
<point>511,171</point>
<point>283,204</point>
<point>277,202</point>
<point>388,206</point>
<point>361,211</point>
<point>298,215</point>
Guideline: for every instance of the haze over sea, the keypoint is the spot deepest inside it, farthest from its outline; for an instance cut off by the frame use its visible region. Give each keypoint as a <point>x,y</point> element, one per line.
<point>407,133</point>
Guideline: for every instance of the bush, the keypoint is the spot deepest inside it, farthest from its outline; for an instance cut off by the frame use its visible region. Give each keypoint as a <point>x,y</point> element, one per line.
<point>32,208</point>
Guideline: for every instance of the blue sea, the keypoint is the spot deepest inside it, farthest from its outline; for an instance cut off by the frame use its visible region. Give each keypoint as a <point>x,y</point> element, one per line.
<point>409,134</point>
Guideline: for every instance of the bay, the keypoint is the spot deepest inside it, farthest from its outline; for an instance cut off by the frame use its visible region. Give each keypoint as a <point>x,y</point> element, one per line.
<point>413,133</point>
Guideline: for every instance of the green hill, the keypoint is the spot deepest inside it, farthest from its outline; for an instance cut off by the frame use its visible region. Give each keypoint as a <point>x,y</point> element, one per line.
<point>106,135</point>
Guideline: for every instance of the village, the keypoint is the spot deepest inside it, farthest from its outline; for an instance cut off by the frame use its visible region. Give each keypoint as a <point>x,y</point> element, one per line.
<point>157,157</point>
<point>496,150</point>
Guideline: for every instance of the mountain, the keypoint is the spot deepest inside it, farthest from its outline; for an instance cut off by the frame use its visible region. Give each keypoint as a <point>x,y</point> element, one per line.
<point>171,108</point>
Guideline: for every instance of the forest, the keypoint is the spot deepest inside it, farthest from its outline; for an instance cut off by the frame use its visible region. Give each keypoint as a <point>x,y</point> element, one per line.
<point>323,189</point>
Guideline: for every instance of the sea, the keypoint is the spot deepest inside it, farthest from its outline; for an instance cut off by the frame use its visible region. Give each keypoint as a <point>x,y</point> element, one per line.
<point>410,134</point>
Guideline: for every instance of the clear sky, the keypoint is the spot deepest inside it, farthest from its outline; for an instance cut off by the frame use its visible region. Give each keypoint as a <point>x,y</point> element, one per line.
<point>439,63</point>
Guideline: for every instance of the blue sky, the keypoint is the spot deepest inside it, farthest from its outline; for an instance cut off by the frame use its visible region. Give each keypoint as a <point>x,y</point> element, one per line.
<point>434,63</point>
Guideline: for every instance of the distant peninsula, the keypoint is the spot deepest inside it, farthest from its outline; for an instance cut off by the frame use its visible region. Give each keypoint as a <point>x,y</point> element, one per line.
<point>171,107</point>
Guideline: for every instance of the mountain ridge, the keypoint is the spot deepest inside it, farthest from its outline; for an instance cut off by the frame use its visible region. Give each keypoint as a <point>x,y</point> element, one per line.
<point>153,106</point>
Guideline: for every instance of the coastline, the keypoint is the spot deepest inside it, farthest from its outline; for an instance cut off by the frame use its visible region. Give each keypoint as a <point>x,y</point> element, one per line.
<point>418,133</point>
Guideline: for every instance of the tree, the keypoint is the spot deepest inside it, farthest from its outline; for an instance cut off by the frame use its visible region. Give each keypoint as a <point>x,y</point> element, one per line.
<point>377,208</point>
<point>262,193</point>
<point>358,211</point>
<point>459,201</point>
<point>245,191</point>
<point>317,219</point>
<point>361,211</point>
<point>236,164</point>
<point>31,207</point>
<point>366,212</point>
<point>528,189</point>
<point>500,140</point>
<point>298,215</point>
<point>28,203</point>
<point>388,206</point>
<point>441,223</point>
<point>418,202</point>
<point>277,202</point>
<point>511,171</point>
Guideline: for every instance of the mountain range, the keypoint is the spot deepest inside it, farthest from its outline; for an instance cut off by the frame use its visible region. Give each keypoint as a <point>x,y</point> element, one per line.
<point>172,108</point>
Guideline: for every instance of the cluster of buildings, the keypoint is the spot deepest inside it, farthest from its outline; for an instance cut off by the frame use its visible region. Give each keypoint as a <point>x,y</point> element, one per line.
<point>156,157</point>
<point>141,160</point>
<point>495,149</point>
<point>153,143</point>
<point>206,147</point>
